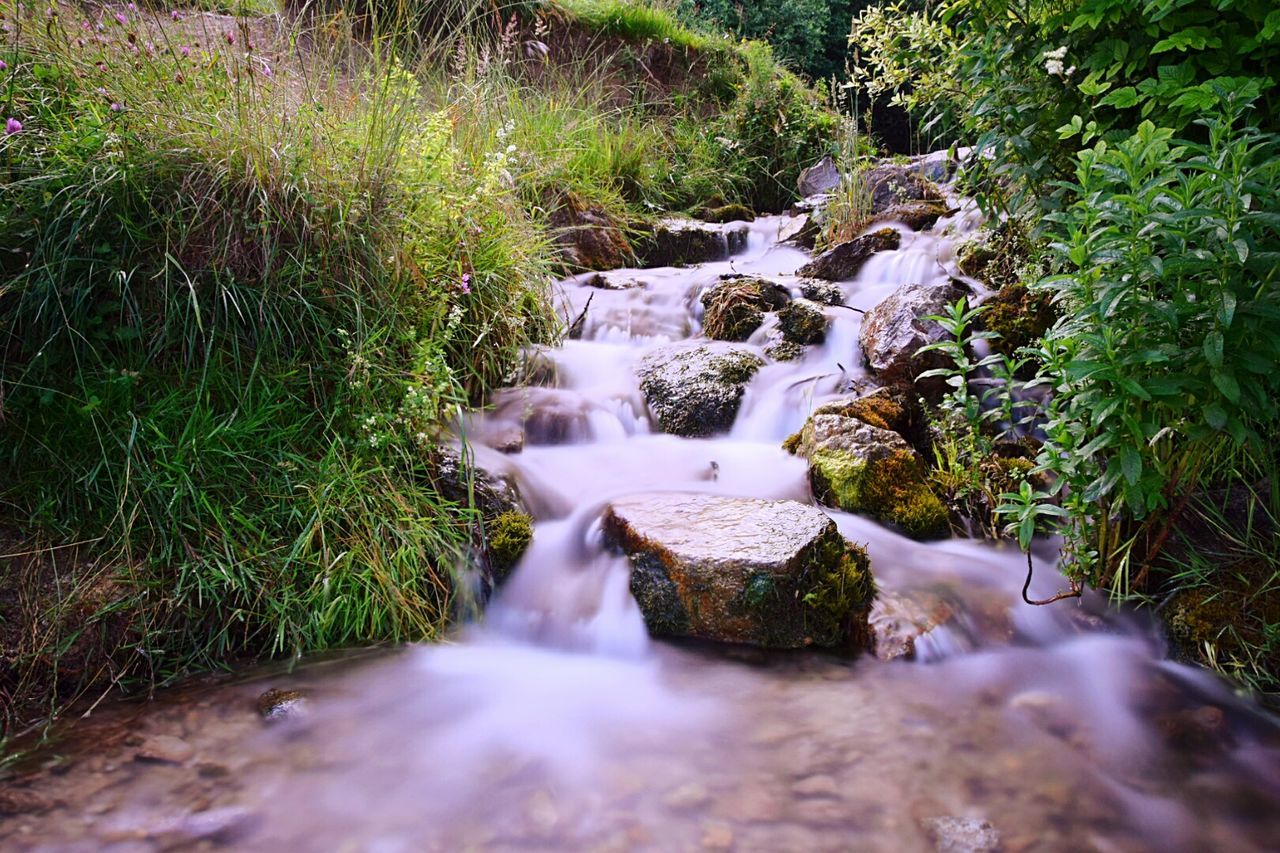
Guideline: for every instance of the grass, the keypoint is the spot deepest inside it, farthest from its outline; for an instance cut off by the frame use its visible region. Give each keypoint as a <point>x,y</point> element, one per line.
<point>249,278</point>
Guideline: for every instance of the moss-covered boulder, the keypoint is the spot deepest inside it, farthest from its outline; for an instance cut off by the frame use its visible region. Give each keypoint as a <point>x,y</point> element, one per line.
<point>736,306</point>
<point>1018,315</point>
<point>861,467</point>
<point>740,570</point>
<point>842,262</point>
<point>803,322</point>
<point>685,242</point>
<point>784,350</point>
<point>822,292</point>
<point>894,331</point>
<point>695,390</point>
<point>728,213</point>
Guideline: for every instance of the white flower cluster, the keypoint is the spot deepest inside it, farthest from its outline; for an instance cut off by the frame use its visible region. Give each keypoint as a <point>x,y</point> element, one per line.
<point>1053,63</point>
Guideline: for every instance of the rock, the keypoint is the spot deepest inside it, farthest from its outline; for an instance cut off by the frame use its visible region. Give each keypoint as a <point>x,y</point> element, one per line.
<point>961,834</point>
<point>20,801</point>
<point>894,331</point>
<point>684,242</point>
<point>494,493</point>
<point>781,350</point>
<point>165,749</point>
<point>276,705</point>
<point>1018,315</point>
<point>221,826</point>
<point>717,836</point>
<point>537,367</point>
<point>687,796</point>
<point>696,390</point>
<point>821,177</point>
<point>822,292</point>
<point>842,262</point>
<point>916,215</point>
<point>898,620</point>
<point>587,237</point>
<point>803,322</point>
<point>890,185</point>
<point>739,570</point>
<point>728,213</point>
<point>868,469</point>
<point>735,307</point>
<point>600,281</point>
<point>800,230</point>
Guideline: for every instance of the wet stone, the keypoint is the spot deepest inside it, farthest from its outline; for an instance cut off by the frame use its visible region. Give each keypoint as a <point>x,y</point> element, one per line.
<point>842,262</point>
<point>277,705</point>
<point>685,242</point>
<point>696,390</point>
<point>822,292</point>
<point>165,749</point>
<point>894,331</point>
<point>740,570</point>
<point>961,834</point>
<point>803,322</point>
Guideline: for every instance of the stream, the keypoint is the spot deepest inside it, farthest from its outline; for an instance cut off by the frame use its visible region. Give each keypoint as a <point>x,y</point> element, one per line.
<point>557,723</point>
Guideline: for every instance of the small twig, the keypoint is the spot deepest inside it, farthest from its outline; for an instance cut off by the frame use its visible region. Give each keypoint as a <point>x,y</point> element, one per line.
<point>575,328</point>
<point>851,308</point>
<point>1074,592</point>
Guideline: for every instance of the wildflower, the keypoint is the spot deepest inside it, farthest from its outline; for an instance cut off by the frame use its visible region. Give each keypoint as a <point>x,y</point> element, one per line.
<point>1053,61</point>
<point>466,282</point>
<point>4,66</point>
<point>133,7</point>
<point>186,51</point>
<point>230,37</point>
<point>102,66</point>
<point>12,126</point>
<point>176,15</point>
<point>121,19</point>
<point>117,107</point>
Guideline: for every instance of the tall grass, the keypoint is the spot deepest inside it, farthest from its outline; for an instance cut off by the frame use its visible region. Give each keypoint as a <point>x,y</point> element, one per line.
<point>251,269</point>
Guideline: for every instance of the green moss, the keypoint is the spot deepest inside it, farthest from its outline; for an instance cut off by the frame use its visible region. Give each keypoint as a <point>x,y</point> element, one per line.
<point>1019,316</point>
<point>802,322</point>
<point>759,589</point>
<point>842,589</point>
<point>509,536</point>
<point>793,442</point>
<point>894,489</point>
<point>837,477</point>
<point>728,213</point>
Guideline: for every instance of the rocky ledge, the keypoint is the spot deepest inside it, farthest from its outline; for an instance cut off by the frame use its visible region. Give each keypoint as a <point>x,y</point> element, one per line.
<point>770,573</point>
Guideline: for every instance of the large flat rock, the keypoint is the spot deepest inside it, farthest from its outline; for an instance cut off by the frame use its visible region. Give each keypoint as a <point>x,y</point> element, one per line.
<point>742,570</point>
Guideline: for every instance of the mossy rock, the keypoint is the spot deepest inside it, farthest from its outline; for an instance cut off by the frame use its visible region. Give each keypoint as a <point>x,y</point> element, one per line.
<point>822,292</point>
<point>894,489</point>
<point>770,573</point>
<point>803,322</point>
<point>842,262</point>
<point>509,536</point>
<point>728,213</point>
<point>695,391</point>
<point>784,351</point>
<point>1019,316</point>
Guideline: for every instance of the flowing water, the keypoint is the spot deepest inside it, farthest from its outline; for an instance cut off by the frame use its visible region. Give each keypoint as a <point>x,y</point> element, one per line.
<point>558,724</point>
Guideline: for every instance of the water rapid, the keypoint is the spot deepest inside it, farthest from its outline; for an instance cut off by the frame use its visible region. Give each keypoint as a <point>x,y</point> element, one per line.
<point>557,723</point>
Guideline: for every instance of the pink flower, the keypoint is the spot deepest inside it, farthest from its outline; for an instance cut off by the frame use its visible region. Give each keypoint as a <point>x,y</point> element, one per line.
<point>133,7</point>
<point>186,51</point>
<point>12,126</point>
<point>116,107</point>
<point>4,66</point>
<point>231,38</point>
<point>121,19</point>
<point>176,15</point>
<point>466,282</point>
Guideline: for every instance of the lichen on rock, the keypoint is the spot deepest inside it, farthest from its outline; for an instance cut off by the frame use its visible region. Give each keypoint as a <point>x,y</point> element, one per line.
<point>741,570</point>
<point>696,390</point>
<point>508,538</point>
<point>803,322</point>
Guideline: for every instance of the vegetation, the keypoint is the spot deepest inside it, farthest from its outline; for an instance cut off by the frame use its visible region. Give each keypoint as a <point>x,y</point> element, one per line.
<point>250,276</point>
<point>1134,142</point>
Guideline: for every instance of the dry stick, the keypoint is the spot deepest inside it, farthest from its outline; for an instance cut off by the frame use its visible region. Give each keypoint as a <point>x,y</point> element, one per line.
<point>576,325</point>
<point>1074,592</point>
<point>50,548</point>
